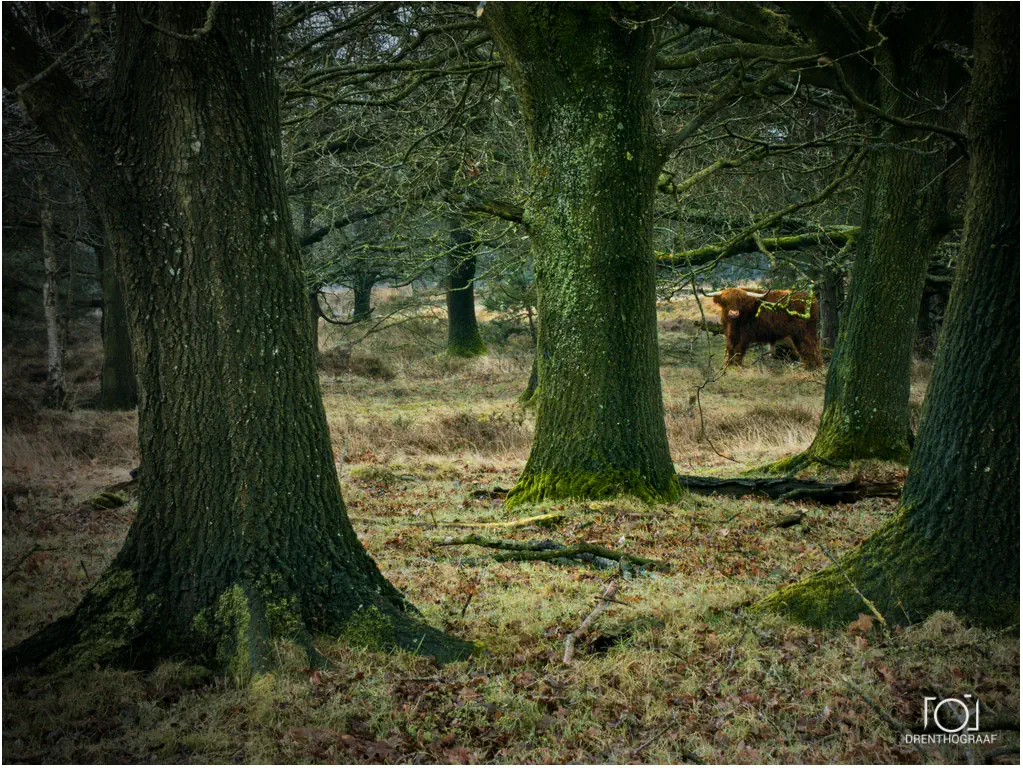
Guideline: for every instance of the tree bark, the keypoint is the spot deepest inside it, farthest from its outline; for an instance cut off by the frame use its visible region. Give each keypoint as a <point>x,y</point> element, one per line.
<point>118,387</point>
<point>56,330</point>
<point>241,535</point>
<point>315,312</point>
<point>526,398</point>
<point>362,290</point>
<point>866,403</point>
<point>954,544</point>
<point>830,300</point>
<point>583,79</point>
<point>464,338</point>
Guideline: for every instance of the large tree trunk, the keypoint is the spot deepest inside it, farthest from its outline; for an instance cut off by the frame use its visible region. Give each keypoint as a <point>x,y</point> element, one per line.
<point>118,388</point>
<point>583,79</point>
<point>954,544</point>
<point>241,534</point>
<point>866,403</point>
<point>464,338</point>
<point>56,330</point>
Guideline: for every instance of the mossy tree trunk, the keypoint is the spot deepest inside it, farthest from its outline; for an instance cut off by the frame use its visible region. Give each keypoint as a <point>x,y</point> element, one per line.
<point>464,338</point>
<point>241,535</point>
<point>583,80</point>
<point>954,544</point>
<point>118,388</point>
<point>866,404</point>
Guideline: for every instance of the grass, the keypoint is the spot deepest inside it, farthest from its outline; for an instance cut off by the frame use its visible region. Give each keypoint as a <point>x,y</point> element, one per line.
<point>677,672</point>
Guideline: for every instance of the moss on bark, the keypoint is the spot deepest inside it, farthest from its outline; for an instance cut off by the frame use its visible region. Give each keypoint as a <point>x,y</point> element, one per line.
<point>954,544</point>
<point>583,79</point>
<point>866,406</point>
<point>591,485</point>
<point>241,534</point>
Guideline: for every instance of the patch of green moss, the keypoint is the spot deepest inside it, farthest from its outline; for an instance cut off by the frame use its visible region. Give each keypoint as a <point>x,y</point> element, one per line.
<point>109,619</point>
<point>373,474</point>
<point>471,347</point>
<point>233,618</point>
<point>591,485</point>
<point>171,676</point>
<point>368,628</point>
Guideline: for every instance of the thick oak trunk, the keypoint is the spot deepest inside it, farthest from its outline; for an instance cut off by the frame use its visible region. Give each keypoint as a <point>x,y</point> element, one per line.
<point>583,80</point>
<point>954,544</point>
<point>241,535</point>
<point>464,338</point>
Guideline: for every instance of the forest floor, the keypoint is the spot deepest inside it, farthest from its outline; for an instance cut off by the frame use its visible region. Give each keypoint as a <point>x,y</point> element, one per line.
<point>674,671</point>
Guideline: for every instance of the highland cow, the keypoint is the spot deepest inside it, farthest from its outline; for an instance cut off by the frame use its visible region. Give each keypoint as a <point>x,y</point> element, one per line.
<point>766,318</point>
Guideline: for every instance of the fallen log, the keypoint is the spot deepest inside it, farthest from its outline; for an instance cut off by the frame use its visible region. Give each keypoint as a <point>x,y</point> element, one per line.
<point>791,489</point>
<point>550,550</point>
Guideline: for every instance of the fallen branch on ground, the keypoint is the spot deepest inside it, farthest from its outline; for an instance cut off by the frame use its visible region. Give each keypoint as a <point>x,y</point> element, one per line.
<point>605,600</point>
<point>791,489</point>
<point>539,520</point>
<point>549,550</point>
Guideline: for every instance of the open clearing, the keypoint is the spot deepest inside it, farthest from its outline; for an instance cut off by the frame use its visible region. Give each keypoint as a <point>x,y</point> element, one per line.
<point>673,671</point>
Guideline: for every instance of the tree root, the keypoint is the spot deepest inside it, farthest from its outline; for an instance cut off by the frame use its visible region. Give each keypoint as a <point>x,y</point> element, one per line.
<point>549,550</point>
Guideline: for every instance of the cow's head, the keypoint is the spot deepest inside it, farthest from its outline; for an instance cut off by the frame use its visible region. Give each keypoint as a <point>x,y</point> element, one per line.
<point>736,302</point>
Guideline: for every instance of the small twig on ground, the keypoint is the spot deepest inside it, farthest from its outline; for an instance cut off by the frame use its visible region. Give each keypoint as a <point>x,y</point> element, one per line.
<point>85,570</point>
<point>716,685</point>
<point>891,722</point>
<point>866,601</point>
<point>605,601</point>
<point>656,735</point>
<point>18,563</point>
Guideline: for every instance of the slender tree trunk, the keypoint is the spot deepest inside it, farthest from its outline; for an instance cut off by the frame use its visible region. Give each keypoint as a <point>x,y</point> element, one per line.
<point>954,544</point>
<point>830,300</point>
<point>866,401</point>
<point>464,338</point>
<point>584,79</point>
<point>241,535</point>
<point>118,387</point>
<point>362,291</point>
<point>56,329</point>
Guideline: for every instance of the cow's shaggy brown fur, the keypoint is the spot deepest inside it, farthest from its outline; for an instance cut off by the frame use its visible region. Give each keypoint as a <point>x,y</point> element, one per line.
<point>744,326</point>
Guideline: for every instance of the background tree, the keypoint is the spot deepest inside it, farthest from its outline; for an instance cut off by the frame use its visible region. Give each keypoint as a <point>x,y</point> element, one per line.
<point>907,79</point>
<point>954,543</point>
<point>241,534</point>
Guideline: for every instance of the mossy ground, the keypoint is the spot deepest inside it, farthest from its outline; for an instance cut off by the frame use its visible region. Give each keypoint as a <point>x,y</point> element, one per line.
<point>709,680</point>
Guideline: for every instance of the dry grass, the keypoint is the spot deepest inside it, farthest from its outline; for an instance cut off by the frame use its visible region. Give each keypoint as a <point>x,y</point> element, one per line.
<point>689,675</point>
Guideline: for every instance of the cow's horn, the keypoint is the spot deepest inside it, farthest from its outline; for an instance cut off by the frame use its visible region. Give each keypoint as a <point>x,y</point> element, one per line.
<point>712,295</point>
<point>757,295</point>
